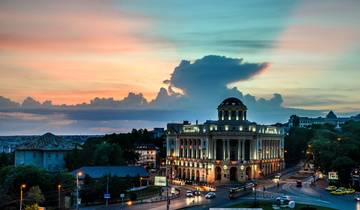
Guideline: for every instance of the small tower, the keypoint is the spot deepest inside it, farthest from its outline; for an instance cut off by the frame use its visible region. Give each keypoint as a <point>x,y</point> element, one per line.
<point>232,109</point>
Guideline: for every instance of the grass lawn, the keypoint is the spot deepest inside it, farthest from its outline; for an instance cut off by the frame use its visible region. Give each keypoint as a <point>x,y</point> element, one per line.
<point>148,192</point>
<point>266,205</point>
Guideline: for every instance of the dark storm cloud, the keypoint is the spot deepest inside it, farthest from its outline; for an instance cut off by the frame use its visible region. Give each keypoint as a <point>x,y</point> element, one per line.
<point>211,73</point>
<point>6,103</point>
<point>203,83</point>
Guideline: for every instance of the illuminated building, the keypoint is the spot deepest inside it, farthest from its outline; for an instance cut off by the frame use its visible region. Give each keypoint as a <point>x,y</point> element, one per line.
<point>330,118</point>
<point>229,149</point>
<point>148,154</point>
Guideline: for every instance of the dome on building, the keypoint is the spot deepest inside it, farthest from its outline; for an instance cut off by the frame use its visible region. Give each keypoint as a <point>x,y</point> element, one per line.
<point>232,101</point>
<point>232,109</point>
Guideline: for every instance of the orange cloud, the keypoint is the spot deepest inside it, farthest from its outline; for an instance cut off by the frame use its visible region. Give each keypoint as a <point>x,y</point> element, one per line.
<point>321,28</point>
<point>71,27</point>
<point>73,51</point>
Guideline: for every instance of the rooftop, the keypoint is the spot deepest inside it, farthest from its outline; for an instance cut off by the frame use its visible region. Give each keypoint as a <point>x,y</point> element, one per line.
<point>119,171</point>
<point>47,141</point>
<point>231,102</point>
<point>146,147</point>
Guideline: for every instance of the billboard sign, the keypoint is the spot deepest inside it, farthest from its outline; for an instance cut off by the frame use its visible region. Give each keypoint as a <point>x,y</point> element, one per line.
<point>333,176</point>
<point>160,181</point>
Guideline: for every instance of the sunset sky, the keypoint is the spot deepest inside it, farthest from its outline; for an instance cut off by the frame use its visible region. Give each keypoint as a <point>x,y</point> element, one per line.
<point>74,51</point>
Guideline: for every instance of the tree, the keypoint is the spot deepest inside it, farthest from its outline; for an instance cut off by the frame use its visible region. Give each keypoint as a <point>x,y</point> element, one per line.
<point>32,207</point>
<point>6,159</point>
<point>12,177</point>
<point>337,150</point>
<point>34,195</point>
<point>295,145</point>
<point>343,165</point>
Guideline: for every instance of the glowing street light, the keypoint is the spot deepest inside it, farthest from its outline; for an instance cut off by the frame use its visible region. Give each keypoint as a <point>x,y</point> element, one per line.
<point>59,198</point>
<point>21,194</point>
<point>78,174</point>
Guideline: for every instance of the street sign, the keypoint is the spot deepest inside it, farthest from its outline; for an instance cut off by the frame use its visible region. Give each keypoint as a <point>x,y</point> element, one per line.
<point>333,176</point>
<point>122,195</point>
<point>160,181</point>
<point>107,195</point>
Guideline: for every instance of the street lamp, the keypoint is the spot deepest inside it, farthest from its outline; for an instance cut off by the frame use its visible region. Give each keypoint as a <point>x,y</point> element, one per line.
<point>141,181</point>
<point>59,189</point>
<point>77,189</point>
<point>254,189</point>
<point>21,194</point>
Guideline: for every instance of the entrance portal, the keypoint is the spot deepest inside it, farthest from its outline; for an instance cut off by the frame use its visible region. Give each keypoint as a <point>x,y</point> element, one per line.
<point>218,173</point>
<point>233,174</point>
<point>248,172</point>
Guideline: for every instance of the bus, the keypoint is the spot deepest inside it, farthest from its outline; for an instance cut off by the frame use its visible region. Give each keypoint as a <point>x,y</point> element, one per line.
<point>242,190</point>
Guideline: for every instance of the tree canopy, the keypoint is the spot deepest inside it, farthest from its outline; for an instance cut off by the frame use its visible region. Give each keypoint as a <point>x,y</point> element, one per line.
<point>113,149</point>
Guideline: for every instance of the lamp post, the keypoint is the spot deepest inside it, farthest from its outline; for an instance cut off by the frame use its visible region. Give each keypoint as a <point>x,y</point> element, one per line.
<point>21,195</point>
<point>77,189</point>
<point>107,190</point>
<point>254,189</point>
<point>59,195</point>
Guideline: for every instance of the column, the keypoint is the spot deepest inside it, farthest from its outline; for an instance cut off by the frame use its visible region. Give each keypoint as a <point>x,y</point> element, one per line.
<point>177,147</point>
<point>224,151</point>
<point>228,148</point>
<point>243,149</point>
<point>214,148</point>
<point>239,149</point>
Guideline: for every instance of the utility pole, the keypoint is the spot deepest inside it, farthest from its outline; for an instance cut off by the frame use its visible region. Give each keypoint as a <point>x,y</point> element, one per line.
<point>21,195</point>
<point>59,195</point>
<point>107,190</point>
<point>77,189</point>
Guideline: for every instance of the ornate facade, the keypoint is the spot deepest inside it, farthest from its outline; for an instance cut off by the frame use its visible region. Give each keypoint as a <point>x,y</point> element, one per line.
<point>229,149</point>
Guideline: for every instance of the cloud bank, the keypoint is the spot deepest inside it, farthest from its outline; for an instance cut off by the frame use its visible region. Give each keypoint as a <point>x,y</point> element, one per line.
<point>192,92</point>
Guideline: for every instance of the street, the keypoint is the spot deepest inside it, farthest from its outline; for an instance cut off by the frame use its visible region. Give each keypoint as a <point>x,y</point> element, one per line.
<point>307,194</point>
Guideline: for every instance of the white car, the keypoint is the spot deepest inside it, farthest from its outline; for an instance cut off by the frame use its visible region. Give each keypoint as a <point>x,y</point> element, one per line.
<point>357,197</point>
<point>283,200</point>
<point>210,195</point>
<point>189,194</point>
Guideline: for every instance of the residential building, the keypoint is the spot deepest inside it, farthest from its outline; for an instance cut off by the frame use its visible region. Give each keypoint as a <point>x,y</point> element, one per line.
<point>228,149</point>
<point>46,151</point>
<point>148,155</point>
<point>158,132</point>
<point>330,118</point>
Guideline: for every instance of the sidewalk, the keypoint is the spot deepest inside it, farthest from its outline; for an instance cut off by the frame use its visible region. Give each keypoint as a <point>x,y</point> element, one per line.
<point>155,199</point>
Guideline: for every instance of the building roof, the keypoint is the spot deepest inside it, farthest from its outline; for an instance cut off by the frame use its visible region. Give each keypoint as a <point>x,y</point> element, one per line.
<point>331,115</point>
<point>146,147</point>
<point>232,102</point>
<point>119,171</point>
<point>47,141</point>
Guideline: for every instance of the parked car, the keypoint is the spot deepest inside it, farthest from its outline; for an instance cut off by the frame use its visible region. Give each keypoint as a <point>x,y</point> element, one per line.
<point>298,183</point>
<point>189,194</point>
<point>210,195</point>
